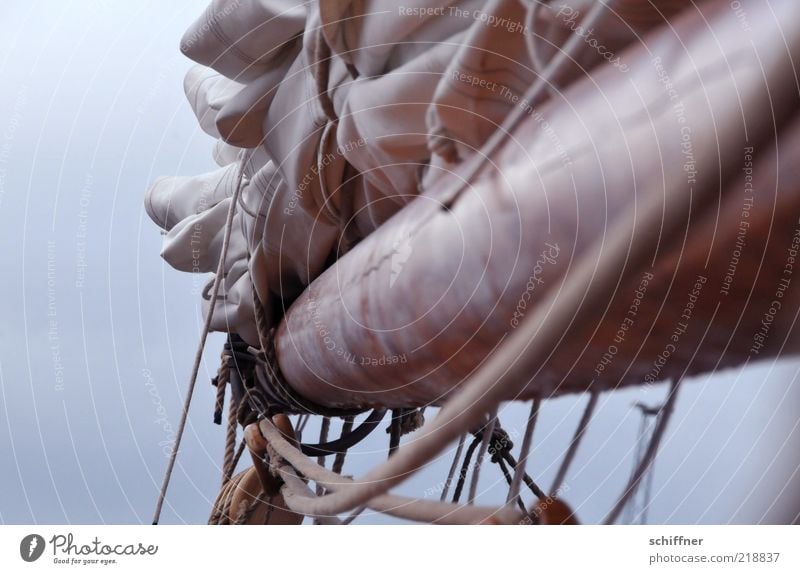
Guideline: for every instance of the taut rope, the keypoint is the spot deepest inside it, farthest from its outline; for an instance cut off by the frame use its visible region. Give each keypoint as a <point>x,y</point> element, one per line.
<point>198,357</point>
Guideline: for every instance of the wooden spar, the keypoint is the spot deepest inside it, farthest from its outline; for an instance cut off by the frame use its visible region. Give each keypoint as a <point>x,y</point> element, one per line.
<point>410,312</point>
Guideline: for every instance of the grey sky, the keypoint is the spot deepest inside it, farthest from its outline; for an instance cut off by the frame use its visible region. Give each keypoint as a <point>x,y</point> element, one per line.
<point>98,333</point>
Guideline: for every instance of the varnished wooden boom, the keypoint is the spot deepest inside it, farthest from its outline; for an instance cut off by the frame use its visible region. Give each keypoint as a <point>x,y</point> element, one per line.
<point>417,306</point>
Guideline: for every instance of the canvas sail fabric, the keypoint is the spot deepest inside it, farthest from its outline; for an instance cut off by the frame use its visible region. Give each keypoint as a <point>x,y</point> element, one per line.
<point>255,89</point>
<point>316,181</point>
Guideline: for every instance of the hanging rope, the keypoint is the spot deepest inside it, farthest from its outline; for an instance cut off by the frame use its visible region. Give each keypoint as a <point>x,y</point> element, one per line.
<point>220,382</point>
<point>338,462</point>
<point>649,455</point>
<point>527,439</point>
<point>648,416</point>
<point>348,440</point>
<point>566,462</point>
<point>500,445</point>
<point>532,486</point>
<point>400,506</point>
<point>218,279</point>
<point>476,472</point>
<point>323,438</point>
<point>453,467</point>
<point>462,475</point>
<point>502,464</point>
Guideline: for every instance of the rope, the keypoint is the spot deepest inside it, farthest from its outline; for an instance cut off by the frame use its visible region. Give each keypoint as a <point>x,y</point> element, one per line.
<point>650,453</point>
<point>280,396</point>
<point>230,443</point>
<point>648,491</point>
<point>462,476</point>
<point>476,471</point>
<point>534,488</point>
<point>218,279</point>
<point>453,467</point>
<point>527,439</point>
<point>576,441</point>
<point>399,506</point>
<point>502,464</point>
<point>302,421</point>
<point>220,381</point>
<point>346,441</point>
<point>338,462</point>
<point>323,437</point>
<point>645,427</point>
<point>296,489</point>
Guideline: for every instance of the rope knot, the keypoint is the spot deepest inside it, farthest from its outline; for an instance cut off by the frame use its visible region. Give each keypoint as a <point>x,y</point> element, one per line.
<point>500,445</point>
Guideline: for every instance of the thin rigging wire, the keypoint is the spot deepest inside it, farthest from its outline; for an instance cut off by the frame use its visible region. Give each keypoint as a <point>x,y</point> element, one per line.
<point>527,439</point>
<point>198,357</point>
<point>649,455</point>
<point>453,467</point>
<point>577,438</point>
<point>476,472</point>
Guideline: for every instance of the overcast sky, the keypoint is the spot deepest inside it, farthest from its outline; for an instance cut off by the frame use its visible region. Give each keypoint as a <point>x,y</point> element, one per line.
<point>98,333</point>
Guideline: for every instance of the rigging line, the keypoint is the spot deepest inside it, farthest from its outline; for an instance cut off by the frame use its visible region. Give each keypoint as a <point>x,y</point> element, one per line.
<point>647,425</point>
<point>302,420</point>
<point>414,509</point>
<point>453,467</point>
<point>198,358</point>
<point>649,455</point>
<point>346,441</point>
<point>228,463</point>
<point>577,438</point>
<point>502,464</point>
<point>527,440</point>
<point>529,482</point>
<point>220,381</point>
<point>323,438</point>
<point>628,514</point>
<point>294,486</point>
<point>648,492</point>
<point>462,476</point>
<point>476,472</point>
<point>338,462</point>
